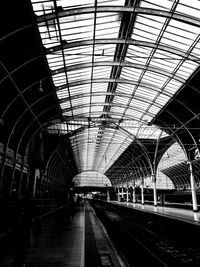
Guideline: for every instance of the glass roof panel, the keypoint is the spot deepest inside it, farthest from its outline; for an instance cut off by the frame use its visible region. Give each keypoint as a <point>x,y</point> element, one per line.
<point>111,68</point>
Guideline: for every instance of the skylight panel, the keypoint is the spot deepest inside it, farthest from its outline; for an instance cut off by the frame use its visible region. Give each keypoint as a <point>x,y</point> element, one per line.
<point>62,93</point>
<point>187,26</point>
<point>162,99</point>
<point>139,51</point>
<point>146,85</point>
<point>101,72</point>
<point>65,105</point>
<point>77,21</point>
<point>111,2</point>
<point>79,74</point>
<point>172,33</point>
<point>153,110</point>
<point>117,109</point>
<point>80,101</point>
<point>99,87</point>
<point>79,51</point>
<point>59,79</point>
<point>81,111</point>
<point>190,8</point>
<point>98,99</point>
<point>124,88</point>
<point>153,31</point>
<point>107,33</point>
<point>152,21</point>
<point>75,56</point>
<point>135,103</point>
<point>131,73</point>
<point>97,109</point>
<point>165,64</point>
<point>56,65</point>
<point>134,113</point>
<point>84,89</point>
<point>156,4</point>
<point>121,100</point>
<point>154,78</point>
<point>140,34</point>
<point>196,50</point>
<point>176,42</point>
<point>146,92</point>
<point>129,76</point>
<point>135,56</point>
<point>79,89</point>
<point>102,23</point>
<point>172,87</point>
<point>188,66</point>
<point>67,113</point>
<point>72,60</point>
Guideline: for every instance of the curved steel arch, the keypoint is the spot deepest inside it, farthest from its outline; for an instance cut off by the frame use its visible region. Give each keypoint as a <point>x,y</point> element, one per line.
<point>163,47</point>
<point>138,10</point>
<point>105,80</point>
<point>104,104</point>
<point>118,64</point>
<point>103,93</point>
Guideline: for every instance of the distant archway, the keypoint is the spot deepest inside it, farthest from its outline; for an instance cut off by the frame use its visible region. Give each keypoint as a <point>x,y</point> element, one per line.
<point>91,179</point>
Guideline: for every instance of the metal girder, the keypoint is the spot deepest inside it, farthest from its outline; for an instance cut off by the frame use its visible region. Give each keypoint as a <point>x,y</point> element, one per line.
<point>138,10</point>
<point>166,48</point>
<point>117,64</point>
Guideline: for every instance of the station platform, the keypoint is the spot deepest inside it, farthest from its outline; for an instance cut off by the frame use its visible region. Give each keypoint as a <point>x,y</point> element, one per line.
<point>176,213</point>
<point>75,240</point>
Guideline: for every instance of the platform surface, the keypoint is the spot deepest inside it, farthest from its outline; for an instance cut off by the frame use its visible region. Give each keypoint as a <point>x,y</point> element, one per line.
<point>63,240</point>
<point>177,213</point>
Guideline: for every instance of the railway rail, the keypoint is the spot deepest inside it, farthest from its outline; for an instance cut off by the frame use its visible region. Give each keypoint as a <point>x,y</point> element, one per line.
<point>143,240</point>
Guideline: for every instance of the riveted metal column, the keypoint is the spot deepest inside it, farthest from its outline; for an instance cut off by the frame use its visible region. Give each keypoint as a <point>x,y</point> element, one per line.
<point>154,189</point>
<point>118,196</point>
<point>108,194</point>
<point>127,193</point>
<point>142,193</point>
<point>193,190</point>
<point>133,193</point>
<point>122,192</point>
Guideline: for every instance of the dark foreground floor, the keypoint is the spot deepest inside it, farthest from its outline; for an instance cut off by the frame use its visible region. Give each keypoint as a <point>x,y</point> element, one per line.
<point>60,240</point>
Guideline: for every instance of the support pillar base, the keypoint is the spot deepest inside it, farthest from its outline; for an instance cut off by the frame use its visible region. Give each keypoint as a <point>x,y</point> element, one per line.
<point>196,210</point>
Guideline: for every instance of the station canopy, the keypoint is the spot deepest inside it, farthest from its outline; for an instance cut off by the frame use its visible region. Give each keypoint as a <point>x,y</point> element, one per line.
<point>115,66</point>
<point>91,179</point>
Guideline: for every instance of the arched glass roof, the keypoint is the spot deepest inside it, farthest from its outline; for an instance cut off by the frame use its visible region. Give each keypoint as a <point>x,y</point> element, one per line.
<point>115,65</point>
<point>91,179</point>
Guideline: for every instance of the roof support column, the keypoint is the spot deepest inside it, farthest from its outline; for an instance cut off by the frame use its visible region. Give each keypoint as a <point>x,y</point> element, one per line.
<point>122,192</point>
<point>134,193</point>
<point>127,193</point>
<point>154,189</point>
<point>108,194</point>
<point>142,193</point>
<point>193,190</point>
<point>118,195</point>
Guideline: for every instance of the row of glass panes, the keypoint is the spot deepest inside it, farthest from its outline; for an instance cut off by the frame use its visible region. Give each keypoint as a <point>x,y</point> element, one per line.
<point>83,53</point>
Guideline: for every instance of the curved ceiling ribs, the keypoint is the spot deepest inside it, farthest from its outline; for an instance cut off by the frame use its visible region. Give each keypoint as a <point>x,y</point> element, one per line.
<point>107,77</point>
<point>130,58</point>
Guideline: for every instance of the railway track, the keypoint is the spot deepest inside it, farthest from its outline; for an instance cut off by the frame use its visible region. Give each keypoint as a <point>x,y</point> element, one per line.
<point>139,245</point>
